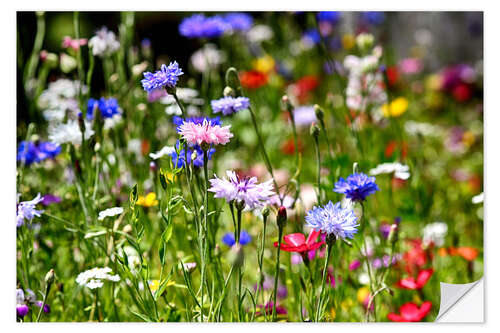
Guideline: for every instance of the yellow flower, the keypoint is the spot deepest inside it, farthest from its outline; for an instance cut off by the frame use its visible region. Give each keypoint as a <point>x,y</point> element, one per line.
<point>396,108</point>
<point>362,294</point>
<point>333,314</point>
<point>154,285</point>
<point>468,138</point>
<point>346,304</point>
<point>433,82</point>
<point>264,64</point>
<point>148,201</point>
<point>348,41</point>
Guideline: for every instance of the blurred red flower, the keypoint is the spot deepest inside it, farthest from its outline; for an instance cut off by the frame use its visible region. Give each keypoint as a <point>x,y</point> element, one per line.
<point>392,75</point>
<point>416,257</point>
<point>253,79</point>
<point>418,283</point>
<point>288,147</point>
<point>304,86</point>
<point>411,312</point>
<point>298,243</point>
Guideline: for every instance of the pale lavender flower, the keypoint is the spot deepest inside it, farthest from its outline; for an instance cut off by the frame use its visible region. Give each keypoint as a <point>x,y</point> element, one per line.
<point>166,76</point>
<point>245,190</point>
<point>26,210</point>
<point>304,115</point>
<point>333,219</point>
<point>229,105</point>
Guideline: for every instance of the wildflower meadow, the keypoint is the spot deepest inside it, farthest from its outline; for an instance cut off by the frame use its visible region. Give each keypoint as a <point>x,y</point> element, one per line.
<point>246,166</point>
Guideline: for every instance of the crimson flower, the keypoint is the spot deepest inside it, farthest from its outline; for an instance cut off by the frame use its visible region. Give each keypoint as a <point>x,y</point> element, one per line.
<point>253,79</point>
<point>298,243</point>
<point>411,312</point>
<point>418,283</point>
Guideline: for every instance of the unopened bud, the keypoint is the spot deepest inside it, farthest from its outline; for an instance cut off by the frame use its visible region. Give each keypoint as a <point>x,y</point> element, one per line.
<point>286,104</point>
<point>393,234</point>
<point>171,90</point>
<point>364,41</point>
<point>314,130</point>
<point>281,217</point>
<point>67,63</point>
<point>50,277</point>
<point>236,255</point>
<point>232,79</point>
<point>228,91</point>
<point>163,179</point>
<point>320,114</point>
<point>265,212</point>
<point>152,166</point>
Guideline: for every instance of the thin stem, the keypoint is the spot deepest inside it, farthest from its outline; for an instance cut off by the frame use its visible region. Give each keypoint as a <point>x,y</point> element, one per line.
<point>276,273</point>
<point>325,267</point>
<point>318,162</point>
<point>181,106</point>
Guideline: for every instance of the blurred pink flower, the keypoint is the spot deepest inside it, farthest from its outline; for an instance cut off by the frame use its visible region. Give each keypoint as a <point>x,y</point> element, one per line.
<point>73,43</point>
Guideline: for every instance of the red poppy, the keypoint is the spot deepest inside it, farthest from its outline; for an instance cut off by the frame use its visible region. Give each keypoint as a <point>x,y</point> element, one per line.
<point>418,283</point>
<point>411,312</point>
<point>392,75</point>
<point>416,257</point>
<point>288,147</point>
<point>297,242</point>
<point>304,86</point>
<point>253,79</point>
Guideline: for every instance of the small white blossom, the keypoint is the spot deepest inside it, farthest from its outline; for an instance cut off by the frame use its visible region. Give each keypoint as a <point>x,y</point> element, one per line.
<point>164,151</point>
<point>259,33</point>
<point>435,233</point>
<point>93,278</point>
<point>477,199</point>
<point>110,212</point>
<point>413,127</point>
<point>104,43</point>
<point>207,58</point>
<point>400,171</point>
<point>69,133</point>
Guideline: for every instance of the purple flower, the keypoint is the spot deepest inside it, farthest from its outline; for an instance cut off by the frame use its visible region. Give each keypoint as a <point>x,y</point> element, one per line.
<point>229,240</point>
<point>239,21</point>
<point>22,310</point>
<point>377,263</point>
<point>26,210</point>
<point>244,190</point>
<point>49,199</point>
<point>374,18</point>
<point>332,17</point>
<point>333,219</point>
<point>46,307</point>
<point>385,229</point>
<point>304,115</point>
<point>356,187</point>
<point>200,26</point>
<point>28,152</point>
<point>178,159</point>
<point>108,107</point>
<point>229,105</point>
<point>166,76</point>
<point>355,264</point>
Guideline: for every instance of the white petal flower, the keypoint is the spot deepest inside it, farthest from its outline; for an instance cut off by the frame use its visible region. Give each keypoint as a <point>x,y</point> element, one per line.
<point>104,43</point>
<point>400,171</point>
<point>93,278</point>
<point>110,212</point>
<point>69,133</point>
<point>435,233</point>
<point>167,150</point>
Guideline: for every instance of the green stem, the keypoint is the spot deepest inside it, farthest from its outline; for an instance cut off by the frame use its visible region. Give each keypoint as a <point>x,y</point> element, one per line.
<point>276,273</point>
<point>325,267</point>
<point>318,162</point>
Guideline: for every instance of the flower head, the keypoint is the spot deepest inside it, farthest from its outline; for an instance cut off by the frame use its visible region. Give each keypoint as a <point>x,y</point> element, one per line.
<point>200,26</point>
<point>166,76</point>
<point>333,219</point>
<point>206,132</point>
<point>147,201</point>
<point>357,186</point>
<point>95,277</point>
<point>108,107</point>
<point>69,133</point>
<point>400,171</point>
<point>418,283</point>
<point>29,152</point>
<point>229,240</point>
<point>239,21</point>
<point>245,190</point>
<point>411,312</point>
<point>194,153</point>
<point>110,212</point>
<point>229,105</point>
<point>104,43</point>
<point>298,243</point>
<point>26,210</point>
<point>75,44</point>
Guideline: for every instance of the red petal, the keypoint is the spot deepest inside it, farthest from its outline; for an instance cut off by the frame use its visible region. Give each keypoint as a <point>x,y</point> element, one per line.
<point>313,235</point>
<point>395,317</point>
<point>407,283</point>
<point>423,277</point>
<point>410,312</point>
<point>424,309</point>
<point>315,246</point>
<point>295,239</point>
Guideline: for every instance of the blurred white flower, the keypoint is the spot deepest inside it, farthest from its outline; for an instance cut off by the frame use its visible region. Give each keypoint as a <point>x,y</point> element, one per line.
<point>167,150</point>
<point>93,278</point>
<point>413,127</point>
<point>435,233</point>
<point>260,33</point>
<point>59,99</point>
<point>69,133</point>
<point>477,199</point>
<point>207,58</point>
<point>104,43</point>
<point>400,171</point>
<point>110,212</point>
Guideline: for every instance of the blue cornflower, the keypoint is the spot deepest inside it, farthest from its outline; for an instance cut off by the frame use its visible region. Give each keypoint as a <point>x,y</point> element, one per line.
<point>48,150</point>
<point>356,187</point>
<point>108,107</point>
<point>197,120</point>
<point>229,105</point>
<point>28,152</point>
<point>332,17</point>
<point>229,240</point>
<point>26,210</point>
<point>313,35</point>
<point>200,26</point>
<point>166,76</point>
<point>179,159</point>
<point>374,18</point>
<point>333,219</point>
<point>239,21</point>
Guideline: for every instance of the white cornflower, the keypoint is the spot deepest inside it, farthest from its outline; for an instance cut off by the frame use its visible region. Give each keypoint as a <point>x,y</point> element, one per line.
<point>69,132</point>
<point>186,95</point>
<point>60,99</point>
<point>104,43</point>
<point>477,199</point>
<point>94,278</point>
<point>207,58</point>
<point>164,151</point>
<point>259,33</point>
<point>110,212</point>
<point>26,210</point>
<point>435,233</point>
<point>400,171</point>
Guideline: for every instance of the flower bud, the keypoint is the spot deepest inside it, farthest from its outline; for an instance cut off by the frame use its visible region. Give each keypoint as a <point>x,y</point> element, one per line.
<point>67,63</point>
<point>281,217</point>
<point>171,90</point>
<point>265,212</point>
<point>236,255</point>
<point>228,91</point>
<point>314,130</point>
<point>286,104</point>
<point>50,277</point>
<point>152,166</point>
<point>364,41</point>
<point>393,234</point>
<point>163,179</point>
<point>320,114</point>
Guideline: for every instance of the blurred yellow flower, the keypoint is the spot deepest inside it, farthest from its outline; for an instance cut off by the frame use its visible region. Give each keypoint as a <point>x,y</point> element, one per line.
<point>433,82</point>
<point>264,64</point>
<point>348,41</point>
<point>396,108</point>
<point>346,304</point>
<point>362,294</point>
<point>468,138</point>
<point>333,314</point>
<point>148,201</point>
<point>154,285</point>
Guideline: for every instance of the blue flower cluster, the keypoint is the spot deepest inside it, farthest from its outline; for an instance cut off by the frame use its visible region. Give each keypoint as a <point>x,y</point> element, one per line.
<point>166,76</point>
<point>229,240</point>
<point>332,17</point>
<point>333,219</point>
<point>108,107</point>
<point>357,186</point>
<point>229,105</point>
<point>29,152</point>
<point>373,18</point>
<point>200,26</point>
<point>179,159</point>
<point>197,120</point>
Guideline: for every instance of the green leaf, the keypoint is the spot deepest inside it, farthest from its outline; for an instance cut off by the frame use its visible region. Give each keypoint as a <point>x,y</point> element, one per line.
<point>167,234</point>
<point>143,317</point>
<point>95,234</point>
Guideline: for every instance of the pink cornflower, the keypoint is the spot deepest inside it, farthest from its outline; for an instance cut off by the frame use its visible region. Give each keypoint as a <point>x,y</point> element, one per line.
<point>73,43</point>
<point>205,133</point>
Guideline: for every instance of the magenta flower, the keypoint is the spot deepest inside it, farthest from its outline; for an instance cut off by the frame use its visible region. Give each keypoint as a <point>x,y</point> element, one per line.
<point>206,132</point>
